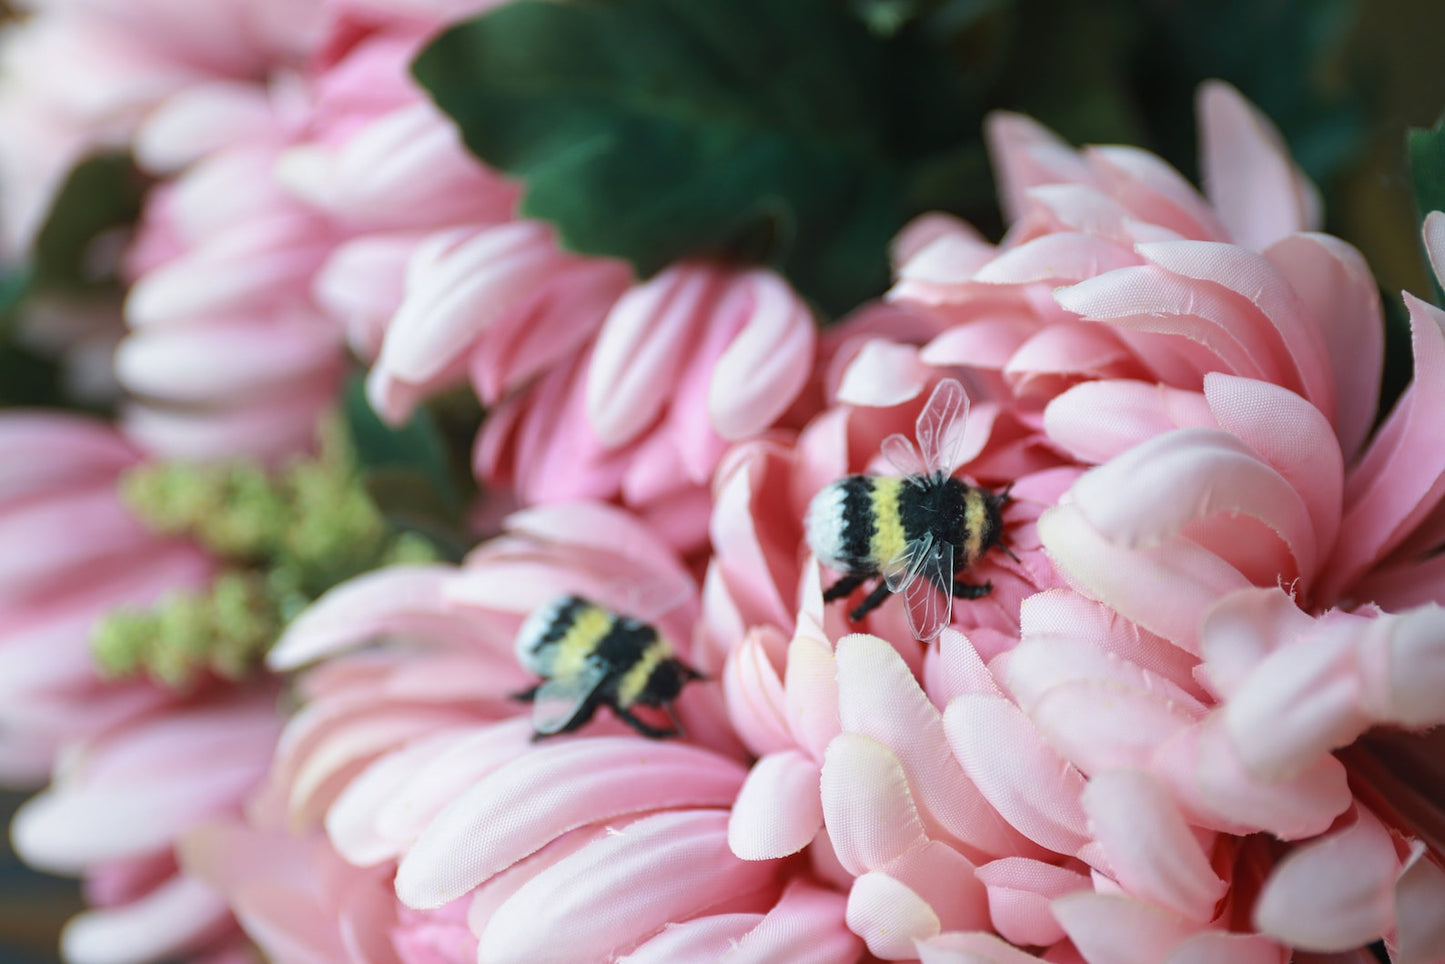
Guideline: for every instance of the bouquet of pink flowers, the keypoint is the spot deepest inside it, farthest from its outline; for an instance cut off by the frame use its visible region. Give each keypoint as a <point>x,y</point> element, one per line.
<point>563,482</point>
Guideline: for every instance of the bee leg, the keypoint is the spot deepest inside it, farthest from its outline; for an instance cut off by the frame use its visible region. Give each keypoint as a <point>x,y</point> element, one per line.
<point>874,600</point>
<point>646,729</point>
<point>526,696</point>
<point>842,587</point>
<point>966,590</point>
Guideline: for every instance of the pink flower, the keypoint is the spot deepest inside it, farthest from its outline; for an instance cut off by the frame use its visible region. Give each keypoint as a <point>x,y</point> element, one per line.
<point>73,554</point>
<point>1133,753</point>
<point>116,809</point>
<point>128,61</point>
<point>694,359</point>
<point>416,758</point>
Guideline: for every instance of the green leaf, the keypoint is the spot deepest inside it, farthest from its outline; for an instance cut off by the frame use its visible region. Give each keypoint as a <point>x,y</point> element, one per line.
<point>102,193</point>
<point>651,130</point>
<point>416,448</point>
<point>1427,175</point>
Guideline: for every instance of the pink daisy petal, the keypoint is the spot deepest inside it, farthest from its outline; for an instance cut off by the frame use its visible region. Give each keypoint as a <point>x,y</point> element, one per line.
<point>1149,847</point>
<point>779,809</point>
<point>495,823</point>
<point>1339,295</point>
<point>1020,894</point>
<point>1027,782</point>
<point>1333,893</point>
<point>879,697</point>
<point>551,919</point>
<point>1259,193</point>
<point>867,805</point>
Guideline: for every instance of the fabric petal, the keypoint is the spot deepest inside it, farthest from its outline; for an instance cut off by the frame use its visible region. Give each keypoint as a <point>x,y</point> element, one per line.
<point>779,809</point>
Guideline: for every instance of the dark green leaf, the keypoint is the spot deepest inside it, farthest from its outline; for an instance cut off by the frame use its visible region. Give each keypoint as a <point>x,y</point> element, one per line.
<point>101,194</point>
<point>1427,175</point>
<point>651,130</point>
<point>415,449</point>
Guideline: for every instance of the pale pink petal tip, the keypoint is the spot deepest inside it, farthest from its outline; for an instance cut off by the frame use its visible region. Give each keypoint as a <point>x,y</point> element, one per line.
<point>1259,193</point>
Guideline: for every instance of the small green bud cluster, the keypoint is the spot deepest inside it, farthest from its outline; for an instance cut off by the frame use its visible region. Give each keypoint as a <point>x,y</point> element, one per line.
<point>283,536</point>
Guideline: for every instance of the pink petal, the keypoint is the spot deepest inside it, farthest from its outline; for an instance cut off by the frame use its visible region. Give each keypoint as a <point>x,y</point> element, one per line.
<point>1098,420</point>
<point>1339,296</point>
<point>867,805</point>
<point>954,668</point>
<point>1298,347</point>
<point>470,758</point>
<point>1020,892</point>
<point>640,348</point>
<point>1165,589</point>
<point>1024,153</point>
<point>1099,725</point>
<point>1069,351</point>
<point>1150,848</point>
<point>1114,929</point>
<point>1399,479</point>
<point>883,374</point>
<point>1218,947</point>
<point>458,284</point>
<point>43,449</point>
<point>805,927</point>
<point>811,683</point>
<point>767,364</point>
<point>1249,178</point>
<point>970,948</point>
<point>351,822</point>
<point>700,939</point>
<point>879,697</point>
<point>363,283</point>
<point>1065,614</point>
<point>202,120</point>
<point>1027,782</point>
<point>1155,191</point>
<point>779,809</point>
<point>991,342</point>
<point>1209,781</point>
<point>754,694</point>
<point>889,916</point>
<point>1243,629</point>
<point>269,428</point>
<point>1419,895</point>
<point>1062,258</point>
<point>400,599</point>
<point>1088,210</point>
<point>495,823</point>
<point>551,919</point>
<point>1306,454</point>
<point>179,916</point>
<point>1334,893</point>
<point>1154,300</point>
<point>946,881</point>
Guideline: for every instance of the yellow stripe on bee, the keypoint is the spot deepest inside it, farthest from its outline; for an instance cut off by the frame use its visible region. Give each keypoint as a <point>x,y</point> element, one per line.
<point>580,641</point>
<point>975,517</point>
<point>635,679</point>
<point>889,539</point>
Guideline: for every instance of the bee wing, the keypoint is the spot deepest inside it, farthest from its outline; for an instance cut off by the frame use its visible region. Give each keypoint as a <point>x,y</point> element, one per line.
<point>901,454</point>
<point>902,570</point>
<point>929,607</point>
<point>940,426</point>
<point>559,701</point>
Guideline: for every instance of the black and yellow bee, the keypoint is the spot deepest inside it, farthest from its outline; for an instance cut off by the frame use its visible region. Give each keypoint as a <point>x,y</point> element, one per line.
<point>918,531</point>
<point>590,656</point>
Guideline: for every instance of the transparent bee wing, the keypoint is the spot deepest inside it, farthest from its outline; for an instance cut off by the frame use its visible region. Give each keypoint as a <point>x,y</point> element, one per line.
<point>941,424</point>
<point>558,702</point>
<point>902,570</point>
<point>902,455</point>
<point>929,607</point>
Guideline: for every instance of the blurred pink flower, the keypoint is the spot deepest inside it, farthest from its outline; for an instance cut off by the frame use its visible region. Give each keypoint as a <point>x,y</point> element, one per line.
<point>127,62</point>
<point>685,364</point>
<point>73,553</point>
<point>119,803</point>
